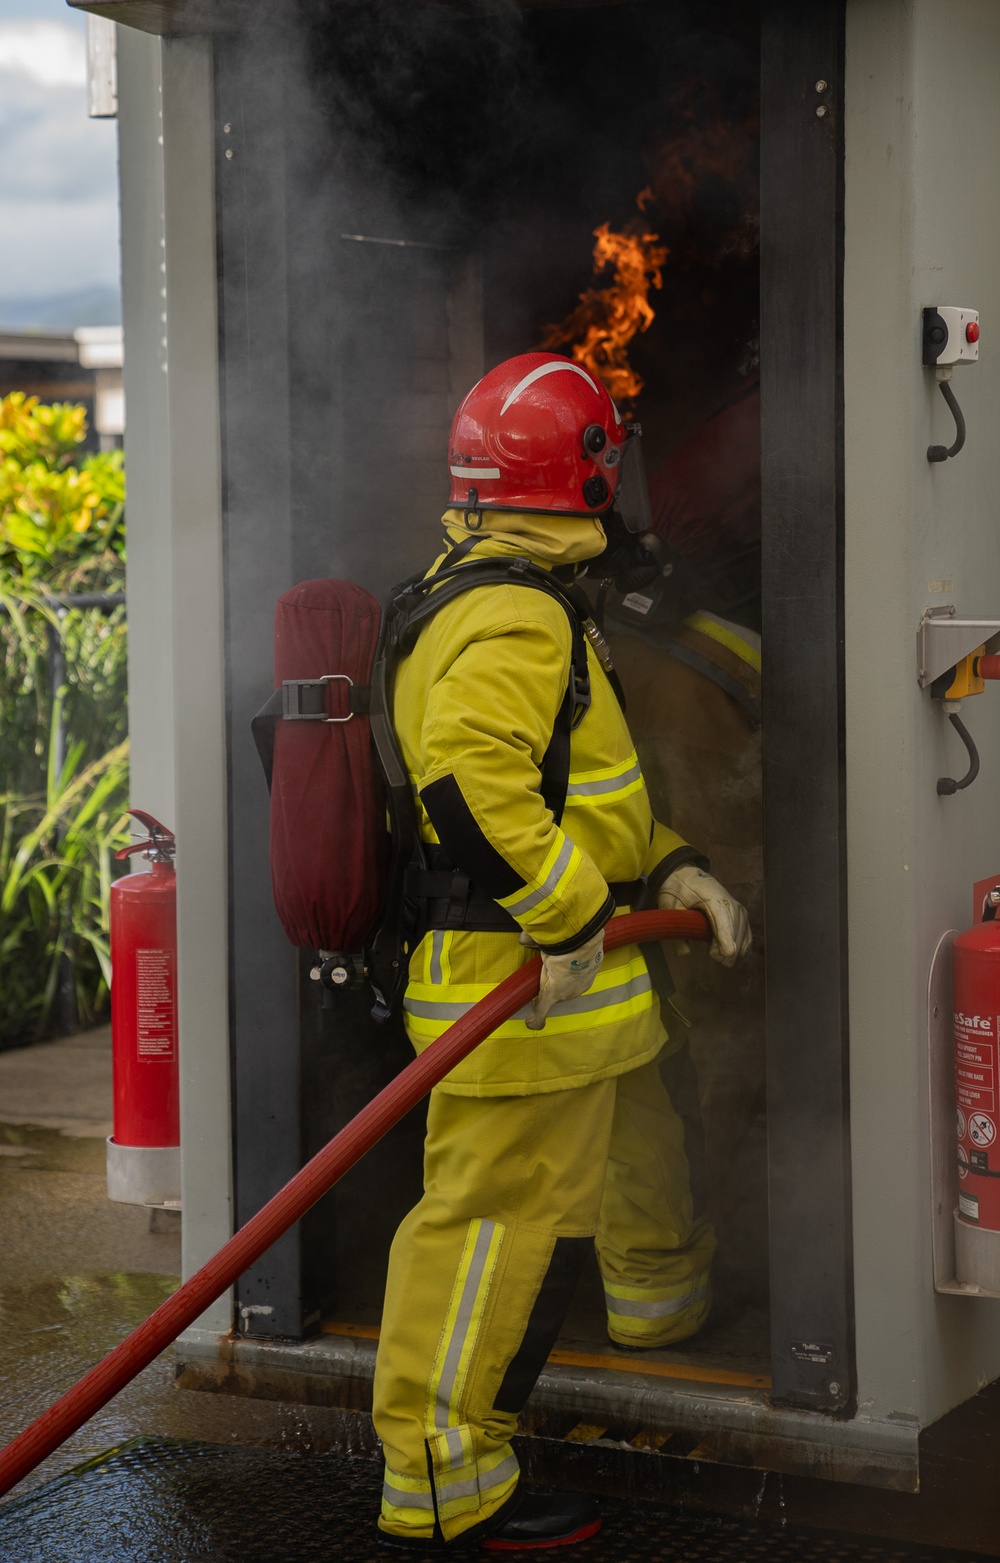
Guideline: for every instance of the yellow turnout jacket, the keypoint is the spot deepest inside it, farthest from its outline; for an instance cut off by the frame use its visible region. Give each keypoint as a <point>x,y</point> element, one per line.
<point>474,707</point>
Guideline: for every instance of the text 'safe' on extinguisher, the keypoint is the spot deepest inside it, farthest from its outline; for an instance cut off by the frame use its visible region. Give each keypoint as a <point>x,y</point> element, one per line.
<point>144,1158</point>
<point>976,957</point>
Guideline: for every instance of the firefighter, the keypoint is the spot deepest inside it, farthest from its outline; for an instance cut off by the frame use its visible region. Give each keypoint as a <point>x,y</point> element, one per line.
<point>558,1129</point>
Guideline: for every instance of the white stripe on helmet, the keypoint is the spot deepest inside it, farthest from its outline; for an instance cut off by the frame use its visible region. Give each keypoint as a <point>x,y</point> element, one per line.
<point>475,472</point>
<point>540,372</point>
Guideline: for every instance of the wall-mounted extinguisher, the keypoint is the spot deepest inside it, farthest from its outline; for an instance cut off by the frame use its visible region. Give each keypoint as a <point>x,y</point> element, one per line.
<point>144,1151</point>
<point>976,972</point>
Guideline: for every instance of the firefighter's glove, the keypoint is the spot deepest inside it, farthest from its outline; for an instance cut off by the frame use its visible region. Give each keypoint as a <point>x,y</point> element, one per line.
<point>690,889</point>
<point>564,976</point>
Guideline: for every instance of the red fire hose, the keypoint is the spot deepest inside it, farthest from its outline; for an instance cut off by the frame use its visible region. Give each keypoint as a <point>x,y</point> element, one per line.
<point>286,1207</point>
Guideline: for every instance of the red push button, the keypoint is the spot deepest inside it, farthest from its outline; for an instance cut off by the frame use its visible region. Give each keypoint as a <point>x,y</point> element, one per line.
<point>972,331</point>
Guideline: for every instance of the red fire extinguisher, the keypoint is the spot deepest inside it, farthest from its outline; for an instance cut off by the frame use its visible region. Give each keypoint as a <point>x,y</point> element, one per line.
<point>976,972</point>
<point>144,1151</point>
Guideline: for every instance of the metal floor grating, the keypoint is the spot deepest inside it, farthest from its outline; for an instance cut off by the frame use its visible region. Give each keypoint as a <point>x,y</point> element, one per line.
<point>153,1501</point>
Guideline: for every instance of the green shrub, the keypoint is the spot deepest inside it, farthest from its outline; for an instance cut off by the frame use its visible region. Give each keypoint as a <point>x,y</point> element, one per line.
<point>61,533</point>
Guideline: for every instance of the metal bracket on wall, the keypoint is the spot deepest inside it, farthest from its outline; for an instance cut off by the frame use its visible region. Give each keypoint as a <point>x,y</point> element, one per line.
<point>943,640</point>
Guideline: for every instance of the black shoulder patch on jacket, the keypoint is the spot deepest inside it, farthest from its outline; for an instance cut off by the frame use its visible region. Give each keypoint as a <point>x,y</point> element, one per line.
<point>465,843</point>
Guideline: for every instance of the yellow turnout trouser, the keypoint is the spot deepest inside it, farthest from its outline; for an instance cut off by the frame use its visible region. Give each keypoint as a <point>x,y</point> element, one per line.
<point>482,1270</point>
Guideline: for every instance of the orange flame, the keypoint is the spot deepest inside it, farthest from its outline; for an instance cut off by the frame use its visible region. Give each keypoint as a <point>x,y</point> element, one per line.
<point>605,321</point>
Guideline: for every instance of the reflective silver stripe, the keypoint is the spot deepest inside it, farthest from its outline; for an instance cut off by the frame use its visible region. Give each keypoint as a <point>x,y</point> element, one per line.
<point>593,789</point>
<point>463,1317</point>
<point>628,1309</point>
<point>597,998</point>
<point>601,998</point>
<point>469,1486</point>
<point>552,878</point>
<point>433,1009</point>
<point>437,946</point>
<point>456,1451</point>
<point>489,474</point>
<point>406,1500</point>
<point>447,1492</point>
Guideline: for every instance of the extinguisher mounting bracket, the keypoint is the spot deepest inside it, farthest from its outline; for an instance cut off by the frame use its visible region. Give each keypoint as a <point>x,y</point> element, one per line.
<point>943,639</point>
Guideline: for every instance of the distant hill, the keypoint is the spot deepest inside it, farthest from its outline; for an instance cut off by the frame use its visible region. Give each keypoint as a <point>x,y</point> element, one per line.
<point>97,306</point>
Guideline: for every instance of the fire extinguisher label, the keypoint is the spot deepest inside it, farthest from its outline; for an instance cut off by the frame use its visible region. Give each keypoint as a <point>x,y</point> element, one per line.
<point>974,1052</point>
<point>154,974</point>
<point>982,1130</point>
<point>977,1078</point>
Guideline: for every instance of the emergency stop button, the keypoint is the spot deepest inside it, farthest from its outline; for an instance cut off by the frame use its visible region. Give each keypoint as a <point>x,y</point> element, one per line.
<point>951,336</point>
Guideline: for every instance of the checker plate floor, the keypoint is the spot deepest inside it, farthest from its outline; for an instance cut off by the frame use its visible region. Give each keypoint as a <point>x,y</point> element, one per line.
<point>154,1501</point>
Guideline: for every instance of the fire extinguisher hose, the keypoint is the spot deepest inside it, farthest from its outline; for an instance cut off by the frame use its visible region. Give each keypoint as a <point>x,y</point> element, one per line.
<point>300,1193</point>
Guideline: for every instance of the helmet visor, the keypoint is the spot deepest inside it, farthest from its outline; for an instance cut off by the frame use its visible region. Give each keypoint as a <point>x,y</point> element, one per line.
<point>632,493</point>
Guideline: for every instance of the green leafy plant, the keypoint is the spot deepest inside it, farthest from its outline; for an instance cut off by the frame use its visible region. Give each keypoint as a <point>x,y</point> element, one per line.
<point>59,521</point>
<point>63,741</point>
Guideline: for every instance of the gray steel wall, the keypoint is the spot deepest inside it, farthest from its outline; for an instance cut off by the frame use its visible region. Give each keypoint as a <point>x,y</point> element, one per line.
<point>922,227</point>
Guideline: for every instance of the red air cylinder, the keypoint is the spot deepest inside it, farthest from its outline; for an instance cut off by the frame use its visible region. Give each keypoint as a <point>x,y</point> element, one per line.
<point>976,968</point>
<point>143,1155</point>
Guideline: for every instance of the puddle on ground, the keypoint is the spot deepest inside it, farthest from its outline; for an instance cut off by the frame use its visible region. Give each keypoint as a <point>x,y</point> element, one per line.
<point>48,1150</point>
<point>52,1330</point>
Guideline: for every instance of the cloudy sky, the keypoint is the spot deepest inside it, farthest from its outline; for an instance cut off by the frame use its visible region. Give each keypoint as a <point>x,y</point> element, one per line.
<point>58,196</point>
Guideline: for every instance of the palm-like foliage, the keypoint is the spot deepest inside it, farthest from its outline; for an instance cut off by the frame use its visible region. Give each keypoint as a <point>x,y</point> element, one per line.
<point>61,533</point>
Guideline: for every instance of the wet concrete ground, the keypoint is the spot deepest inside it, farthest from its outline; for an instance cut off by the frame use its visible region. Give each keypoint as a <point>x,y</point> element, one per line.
<point>172,1476</point>
<point>77,1272</point>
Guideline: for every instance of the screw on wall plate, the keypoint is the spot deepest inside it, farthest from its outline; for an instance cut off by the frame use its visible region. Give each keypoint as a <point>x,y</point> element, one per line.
<point>822,85</point>
<point>820,112</point>
<point>834,1387</point>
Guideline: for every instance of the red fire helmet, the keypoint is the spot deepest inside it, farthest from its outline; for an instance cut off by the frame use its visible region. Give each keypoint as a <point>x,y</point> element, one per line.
<point>539,432</point>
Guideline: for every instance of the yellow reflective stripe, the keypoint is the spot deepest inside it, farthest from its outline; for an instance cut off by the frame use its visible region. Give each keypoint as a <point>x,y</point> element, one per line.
<point>654,1302</point>
<point>725,637</point>
<point>408,1520</point>
<point>462,995</point>
<point>438,963</point>
<point>462,1323</point>
<point>433,958</point>
<point>606,784</point>
<point>604,773</point>
<point>600,800</point>
<point>561,863</point>
<point>424,1030</point>
<point>408,1503</point>
<point>616,995</point>
<point>459,1495</point>
<point>408,1485</point>
<point>456,1483</point>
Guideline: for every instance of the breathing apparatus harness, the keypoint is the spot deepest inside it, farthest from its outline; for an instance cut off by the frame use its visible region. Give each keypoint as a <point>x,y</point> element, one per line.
<point>423,889</point>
